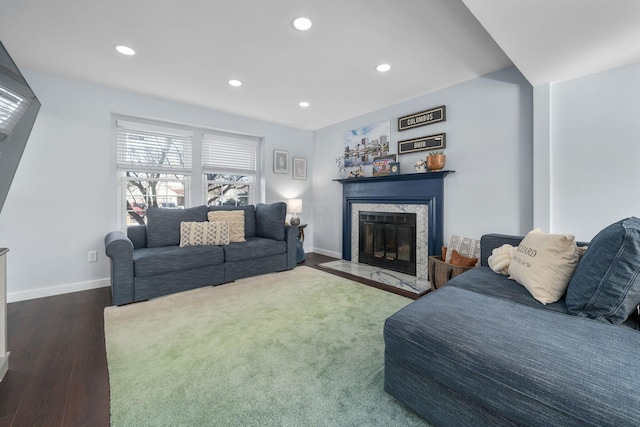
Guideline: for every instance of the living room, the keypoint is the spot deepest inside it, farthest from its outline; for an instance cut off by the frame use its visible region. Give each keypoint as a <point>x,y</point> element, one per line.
<point>553,148</point>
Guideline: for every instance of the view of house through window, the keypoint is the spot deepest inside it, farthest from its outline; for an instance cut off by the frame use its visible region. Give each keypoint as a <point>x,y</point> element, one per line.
<point>145,189</point>
<point>228,190</point>
<point>155,164</point>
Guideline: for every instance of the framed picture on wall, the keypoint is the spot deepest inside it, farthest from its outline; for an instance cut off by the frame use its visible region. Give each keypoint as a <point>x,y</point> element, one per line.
<point>299,168</point>
<point>280,161</point>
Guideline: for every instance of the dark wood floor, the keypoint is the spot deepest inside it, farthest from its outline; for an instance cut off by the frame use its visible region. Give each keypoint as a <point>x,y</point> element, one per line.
<point>58,367</point>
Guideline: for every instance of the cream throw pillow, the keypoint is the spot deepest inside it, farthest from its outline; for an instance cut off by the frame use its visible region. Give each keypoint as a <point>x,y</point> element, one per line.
<point>204,233</point>
<point>235,220</point>
<point>544,263</point>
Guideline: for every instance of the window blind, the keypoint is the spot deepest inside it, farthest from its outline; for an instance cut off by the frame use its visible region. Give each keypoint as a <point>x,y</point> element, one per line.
<point>147,147</point>
<point>12,107</point>
<point>227,153</point>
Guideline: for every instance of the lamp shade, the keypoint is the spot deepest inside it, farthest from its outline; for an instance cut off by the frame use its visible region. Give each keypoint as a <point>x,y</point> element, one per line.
<point>294,206</point>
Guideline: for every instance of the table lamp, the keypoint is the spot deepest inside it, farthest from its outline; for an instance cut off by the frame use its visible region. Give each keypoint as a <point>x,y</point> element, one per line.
<point>294,206</point>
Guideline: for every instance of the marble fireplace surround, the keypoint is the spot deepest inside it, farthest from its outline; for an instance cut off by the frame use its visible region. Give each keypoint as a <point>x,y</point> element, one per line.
<point>422,193</point>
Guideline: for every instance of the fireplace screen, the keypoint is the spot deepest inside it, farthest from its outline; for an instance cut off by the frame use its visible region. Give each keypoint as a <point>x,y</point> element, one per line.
<point>388,240</point>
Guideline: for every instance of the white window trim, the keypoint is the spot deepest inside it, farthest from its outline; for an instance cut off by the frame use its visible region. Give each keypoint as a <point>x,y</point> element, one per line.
<point>196,190</point>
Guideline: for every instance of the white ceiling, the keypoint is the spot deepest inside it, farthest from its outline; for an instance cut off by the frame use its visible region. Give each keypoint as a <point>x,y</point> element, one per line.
<point>188,50</point>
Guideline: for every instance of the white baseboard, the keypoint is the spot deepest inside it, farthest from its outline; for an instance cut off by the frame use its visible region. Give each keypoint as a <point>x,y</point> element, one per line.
<point>57,290</point>
<point>327,253</point>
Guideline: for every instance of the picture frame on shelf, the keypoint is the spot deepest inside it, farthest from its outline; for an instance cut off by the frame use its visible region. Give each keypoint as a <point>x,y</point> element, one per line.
<point>299,168</point>
<point>394,168</point>
<point>280,161</point>
<point>382,165</point>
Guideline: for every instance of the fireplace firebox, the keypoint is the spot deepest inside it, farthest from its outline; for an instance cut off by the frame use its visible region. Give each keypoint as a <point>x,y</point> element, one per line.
<point>388,240</point>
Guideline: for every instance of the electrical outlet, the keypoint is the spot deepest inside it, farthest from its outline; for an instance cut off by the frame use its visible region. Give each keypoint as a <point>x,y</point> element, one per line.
<point>92,256</point>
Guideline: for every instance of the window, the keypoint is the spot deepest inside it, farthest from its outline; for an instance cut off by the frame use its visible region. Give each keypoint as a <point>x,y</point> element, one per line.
<point>155,165</point>
<point>230,168</point>
<point>157,161</point>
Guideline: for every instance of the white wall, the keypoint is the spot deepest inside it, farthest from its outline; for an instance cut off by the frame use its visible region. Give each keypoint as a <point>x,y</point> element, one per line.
<point>64,196</point>
<point>489,131</point>
<point>595,151</point>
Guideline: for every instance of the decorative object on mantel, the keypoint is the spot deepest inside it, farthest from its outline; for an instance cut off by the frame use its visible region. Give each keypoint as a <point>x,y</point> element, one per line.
<point>357,173</point>
<point>341,170</point>
<point>421,166</point>
<point>394,168</point>
<point>423,118</point>
<point>431,142</point>
<point>436,161</point>
<point>382,165</point>
<point>362,145</point>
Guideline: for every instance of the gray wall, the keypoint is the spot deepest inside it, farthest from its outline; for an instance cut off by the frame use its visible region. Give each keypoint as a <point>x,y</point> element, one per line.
<point>594,151</point>
<point>489,145</point>
<point>64,197</point>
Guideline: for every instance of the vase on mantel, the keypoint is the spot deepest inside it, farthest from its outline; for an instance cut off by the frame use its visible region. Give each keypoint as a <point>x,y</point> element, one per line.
<point>436,162</point>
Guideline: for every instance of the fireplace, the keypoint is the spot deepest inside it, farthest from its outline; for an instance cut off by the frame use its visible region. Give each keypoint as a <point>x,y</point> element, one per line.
<point>388,240</point>
<point>421,194</point>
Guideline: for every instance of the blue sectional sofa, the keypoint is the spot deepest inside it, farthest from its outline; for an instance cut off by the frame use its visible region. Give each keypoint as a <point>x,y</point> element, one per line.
<point>481,351</point>
<point>148,261</point>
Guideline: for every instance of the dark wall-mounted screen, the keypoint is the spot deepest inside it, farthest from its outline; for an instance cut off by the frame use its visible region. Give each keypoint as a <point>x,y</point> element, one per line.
<point>18,110</point>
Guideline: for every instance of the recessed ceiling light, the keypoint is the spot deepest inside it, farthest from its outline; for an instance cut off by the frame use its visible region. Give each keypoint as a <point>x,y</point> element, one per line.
<point>235,83</point>
<point>383,68</point>
<point>304,104</point>
<point>125,50</point>
<point>302,23</point>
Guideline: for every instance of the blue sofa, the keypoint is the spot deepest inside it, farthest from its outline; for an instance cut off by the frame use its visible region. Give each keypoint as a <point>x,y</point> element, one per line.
<point>148,262</point>
<point>481,351</point>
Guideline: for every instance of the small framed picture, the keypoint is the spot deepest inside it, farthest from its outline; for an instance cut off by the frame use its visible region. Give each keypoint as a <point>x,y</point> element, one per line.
<point>280,161</point>
<point>299,168</point>
<point>382,165</point>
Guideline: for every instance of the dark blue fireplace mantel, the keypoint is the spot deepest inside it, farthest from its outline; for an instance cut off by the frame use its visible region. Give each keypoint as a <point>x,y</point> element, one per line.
<point>411,189</point>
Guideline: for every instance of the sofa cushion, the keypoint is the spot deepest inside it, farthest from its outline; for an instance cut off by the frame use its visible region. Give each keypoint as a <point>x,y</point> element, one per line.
<point>270,220</point>
<point>166,259</point>
<point>483,280</point>
<point>606,283</point>
<point>256,247</point>
<point>249,217</point>
<point>207,233</point>
<point>543,263</point>
<point>235,219</point>
<point>163,225</point>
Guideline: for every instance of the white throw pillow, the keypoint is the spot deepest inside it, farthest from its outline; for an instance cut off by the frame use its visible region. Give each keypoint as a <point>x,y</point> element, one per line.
<point>544,263</point>
<point>500,259</point>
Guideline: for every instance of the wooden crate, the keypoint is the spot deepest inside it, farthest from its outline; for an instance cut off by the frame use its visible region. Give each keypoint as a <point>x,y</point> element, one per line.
<point>441,272</point>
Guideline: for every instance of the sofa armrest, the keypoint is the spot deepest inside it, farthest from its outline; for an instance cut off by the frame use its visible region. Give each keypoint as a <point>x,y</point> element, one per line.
<point>119,248</point>
<point>290,237</point>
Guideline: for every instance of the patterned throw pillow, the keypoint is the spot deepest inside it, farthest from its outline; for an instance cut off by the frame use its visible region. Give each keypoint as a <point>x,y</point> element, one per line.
<point>469,248</point>
<point>235,220</point>
<point>204,233</point>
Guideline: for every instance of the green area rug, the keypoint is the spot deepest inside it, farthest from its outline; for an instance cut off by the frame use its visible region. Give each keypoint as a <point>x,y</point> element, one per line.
<point>298,348</point>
